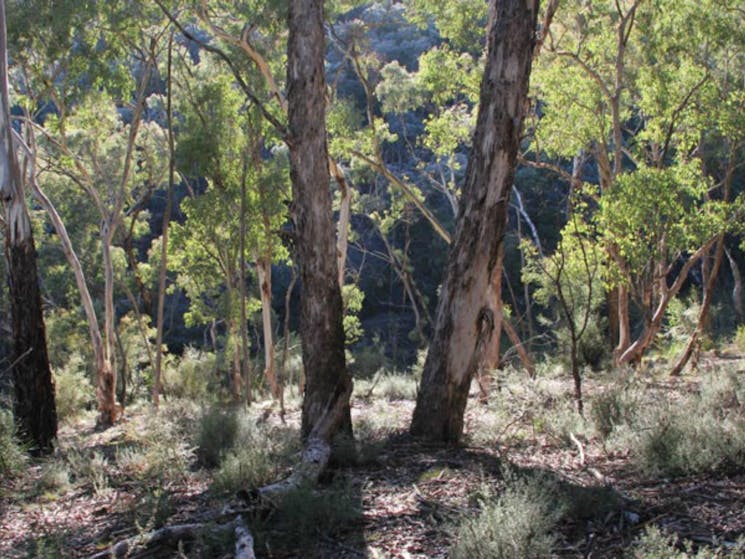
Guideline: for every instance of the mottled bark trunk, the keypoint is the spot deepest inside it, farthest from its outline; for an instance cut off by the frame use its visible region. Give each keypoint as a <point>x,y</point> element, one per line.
<point>33,406</point>
<point>465,317</point>
<point>106,381</point>
<point>264,272</point>
<point>94,330</point>
<point>492,355</point>
<point>694,341</point>
<point>327,380</point>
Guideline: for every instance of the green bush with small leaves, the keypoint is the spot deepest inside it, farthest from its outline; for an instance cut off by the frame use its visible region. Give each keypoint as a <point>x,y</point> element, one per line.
<point>74,391</point>
<point>518,523</point>
<point>12,456</point>
<point>655,544</point>
<point>259,455</point>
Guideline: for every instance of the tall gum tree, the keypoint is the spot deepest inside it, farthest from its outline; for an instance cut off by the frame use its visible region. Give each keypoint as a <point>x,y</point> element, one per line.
<point>33,405</point>
<point>465,314</point>
<point>636,87</point>
<point>328,384</point>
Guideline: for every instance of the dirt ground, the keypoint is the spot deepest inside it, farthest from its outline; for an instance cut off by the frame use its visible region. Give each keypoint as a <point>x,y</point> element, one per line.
<point>408,495</point>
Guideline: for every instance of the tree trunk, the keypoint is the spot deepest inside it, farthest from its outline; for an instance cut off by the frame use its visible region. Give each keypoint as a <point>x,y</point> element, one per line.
<point>737,289</point>
<point>106,385</point>
<point>710,280</point>
<point>345,211</point>
<point>264,271</point>
<point>33,406</point>
<point>465,317</point>
<point>245,368</point>
<point>322,334</point>
<point>624,323</point>
<point>159,319</point>
<point>94,330</point>
<point>491,360</point>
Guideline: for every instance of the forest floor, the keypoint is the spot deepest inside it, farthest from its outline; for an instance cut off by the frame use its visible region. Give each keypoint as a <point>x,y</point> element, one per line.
<point>399,498</point>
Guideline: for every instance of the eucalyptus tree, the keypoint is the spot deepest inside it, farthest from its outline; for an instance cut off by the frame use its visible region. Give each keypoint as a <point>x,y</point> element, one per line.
<point>33,404</point>
<point>299,120</point>
<point>328,386</point>
<point>78,67</point>
<point>465,313</point>
<point>228,144</point>
<point>621,84</point>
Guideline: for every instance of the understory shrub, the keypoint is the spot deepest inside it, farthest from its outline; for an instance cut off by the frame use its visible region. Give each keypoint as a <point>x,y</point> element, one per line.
<point>12,457</point>
<point>516,524</point>
<point>706,432</point>
<point>189,377</point>
<point>613,407</point>
<point>217,431</point>
<point>74,390</point>
<point>655,544</point>
<point>308,511</point>
<point>250,455</point>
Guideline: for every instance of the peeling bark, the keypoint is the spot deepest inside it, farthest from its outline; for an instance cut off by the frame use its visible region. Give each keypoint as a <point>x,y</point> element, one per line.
<point>33,405</point>
<point>465,316</point>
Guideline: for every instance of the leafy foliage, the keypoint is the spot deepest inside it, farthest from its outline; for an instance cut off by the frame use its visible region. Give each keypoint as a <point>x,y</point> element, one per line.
<point>518,523</point>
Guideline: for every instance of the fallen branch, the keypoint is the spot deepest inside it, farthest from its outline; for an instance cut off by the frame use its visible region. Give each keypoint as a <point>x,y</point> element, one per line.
<point>171,535</point>
<point>316,453</point>
<point>244,542</point>
<point>581,450</point>
<point>315,458</point>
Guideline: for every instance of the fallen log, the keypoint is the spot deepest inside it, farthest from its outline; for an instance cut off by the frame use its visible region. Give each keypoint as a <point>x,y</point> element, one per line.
<point>171,535</point>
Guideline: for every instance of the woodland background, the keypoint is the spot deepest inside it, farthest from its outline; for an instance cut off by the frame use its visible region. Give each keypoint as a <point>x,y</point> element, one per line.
<point>629,189</point>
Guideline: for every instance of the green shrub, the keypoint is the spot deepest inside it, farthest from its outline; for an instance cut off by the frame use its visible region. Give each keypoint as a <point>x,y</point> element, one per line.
<point>74,391</point>
<point>55,477</point>
<point>159,450</point>
<point>12,456</point>
<point>740,338</point>
<point>677,442</point>
<point>308,511</point>
<point>217,432</point>
<point>704,432</point>
<point>368,359</point>
<point>654,544</point>
<point>90,468</point>
<point>258,456</point>
<point>611,408</point>
<point>517,524</point>
<point>189,377</point>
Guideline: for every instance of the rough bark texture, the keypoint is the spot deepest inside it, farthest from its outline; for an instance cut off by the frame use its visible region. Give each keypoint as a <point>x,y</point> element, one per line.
<point>321,328</point>
<point>465,316</point>
<point>34,405</point>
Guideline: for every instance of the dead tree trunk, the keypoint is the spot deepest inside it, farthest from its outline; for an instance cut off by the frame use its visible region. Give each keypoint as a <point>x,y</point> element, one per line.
<point>465,315</point>
<point>321,331</point>
<point>34,405</point>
